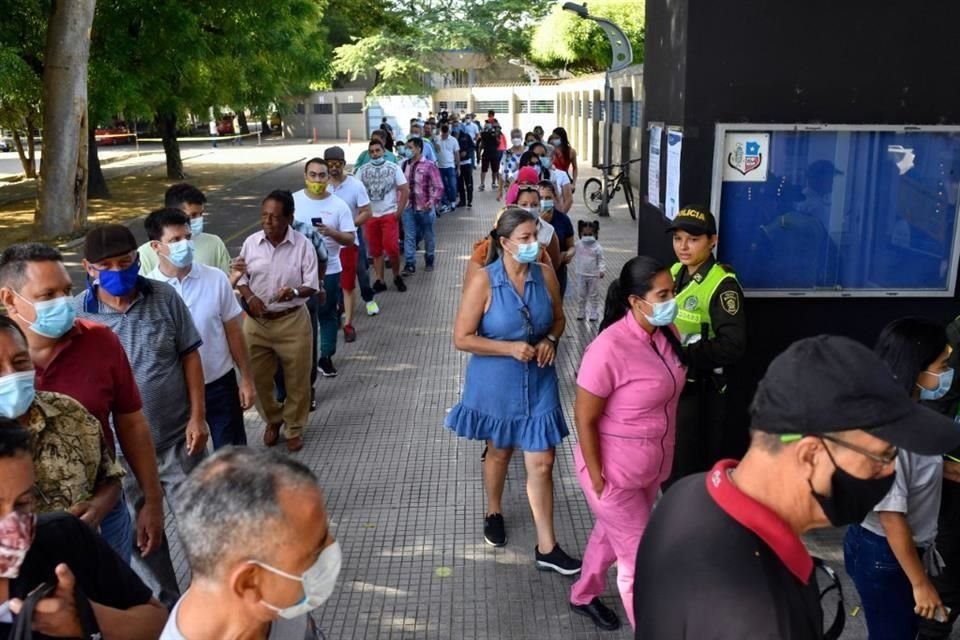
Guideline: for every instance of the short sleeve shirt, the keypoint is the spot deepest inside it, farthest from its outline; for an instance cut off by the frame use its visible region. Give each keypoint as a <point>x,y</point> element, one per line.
<point>212,304</point>
<point>353,193</point>
<point>156,331</point>
<point>915,493</point>
<point>381,183</point>
<point>105,390</point>
<point>335,214</point>
<point>210,250</point>
<point>448,152</point>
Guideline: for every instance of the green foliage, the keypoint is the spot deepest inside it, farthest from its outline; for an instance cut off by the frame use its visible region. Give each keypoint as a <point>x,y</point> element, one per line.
<point>398,62</point>
<point>22,44</point>
<point>565,41</point>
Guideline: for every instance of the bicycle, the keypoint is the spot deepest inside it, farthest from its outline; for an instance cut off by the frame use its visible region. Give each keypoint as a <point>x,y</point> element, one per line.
<point>593,188</point>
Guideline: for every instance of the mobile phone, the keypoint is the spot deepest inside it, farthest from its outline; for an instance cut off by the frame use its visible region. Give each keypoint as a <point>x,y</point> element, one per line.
<point>316,221</point>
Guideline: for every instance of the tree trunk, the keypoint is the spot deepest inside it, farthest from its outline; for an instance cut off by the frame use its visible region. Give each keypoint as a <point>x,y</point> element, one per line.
<point>167,123</point>
<point>29,167</point>
<point>97,185</point>
<point>63,171</point>
<point>242,121</point>
<point>31,148</point>
<point>264,125</point>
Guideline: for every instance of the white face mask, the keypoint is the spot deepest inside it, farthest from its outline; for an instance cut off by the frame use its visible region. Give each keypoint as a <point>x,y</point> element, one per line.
<point>318,582</point>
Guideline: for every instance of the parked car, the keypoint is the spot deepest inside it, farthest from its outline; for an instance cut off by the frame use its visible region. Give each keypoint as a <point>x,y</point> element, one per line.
<point>113,131</point>
<point>6,144</point>
<point>225,126</point>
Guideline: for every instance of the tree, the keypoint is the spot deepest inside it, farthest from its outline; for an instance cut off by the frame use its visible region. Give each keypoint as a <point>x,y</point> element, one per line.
<point>22,42</point>
<point>565,41</point>
<point>63,173</point>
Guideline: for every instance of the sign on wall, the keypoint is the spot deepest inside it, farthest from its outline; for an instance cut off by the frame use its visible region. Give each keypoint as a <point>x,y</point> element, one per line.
<point>674,149</point>
<point>653,165</point>
<point>746,157</point>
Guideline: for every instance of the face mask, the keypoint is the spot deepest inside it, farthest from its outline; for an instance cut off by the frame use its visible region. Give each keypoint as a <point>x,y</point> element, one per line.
<point>546,205</point>
<point>851,498</point>
<point>54,317</point>
<point>120,283</point>
<point>664,313</point>
<point>316,188</point>
<point>516,141</point>
<point>16,536</point>
<point>591,240</point>
<point>196,226</point>
<point>318,582</point>
<point>181,253</point>
<point>545,162</point>
<point>555,142</point>
<point>378,161</point>
<point>16,394</point>
<point>943,386</point>
<point>527,253</point>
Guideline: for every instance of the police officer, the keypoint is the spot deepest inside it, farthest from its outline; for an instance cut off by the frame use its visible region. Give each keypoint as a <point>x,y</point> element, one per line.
<point>713,328</point>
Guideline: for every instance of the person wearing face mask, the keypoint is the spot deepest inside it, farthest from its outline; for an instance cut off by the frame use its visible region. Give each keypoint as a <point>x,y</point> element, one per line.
<point>891,555</point>
<point>591,267</point>
<point>563,226</point>
<point>275,559</point>
<point>60,551</point>
<point>563,188</point>
<point>467,150</point>
<point>429,153</point>
<point>722,556</point>
<point>217,315</point>
<point>527,177</point>
<point>35,290</point>
<point>209,248</point>
<point>75,470</point>
<point>713,327</point>
<point>511,165</point>
<point>564,156</point>
<point>162,344</point>
<point>510,320</point>
<point>528,199</point>
<point>482,251</point>
<point>380,136</point>
<point>628,384</point>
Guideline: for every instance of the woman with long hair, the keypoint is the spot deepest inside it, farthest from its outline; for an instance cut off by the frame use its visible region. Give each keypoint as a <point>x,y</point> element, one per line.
<point>891,554</point>
<point>564,156</point>
<point>626,408</point>
<point>510,321</point>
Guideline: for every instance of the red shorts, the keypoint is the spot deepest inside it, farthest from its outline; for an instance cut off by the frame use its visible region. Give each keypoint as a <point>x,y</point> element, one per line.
<point>348,261</point>
<point>383,236</point>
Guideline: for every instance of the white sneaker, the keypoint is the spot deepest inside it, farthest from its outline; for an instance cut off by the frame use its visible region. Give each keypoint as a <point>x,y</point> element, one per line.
<point>373,308</point>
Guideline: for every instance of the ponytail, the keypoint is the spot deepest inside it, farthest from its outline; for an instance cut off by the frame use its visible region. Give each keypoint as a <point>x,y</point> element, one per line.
<point>507,222</point>
<point>615,306</point>
<point>494,251</point>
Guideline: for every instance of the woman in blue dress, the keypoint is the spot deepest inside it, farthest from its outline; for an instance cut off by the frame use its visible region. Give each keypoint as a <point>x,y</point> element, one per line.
<point>510,321</point>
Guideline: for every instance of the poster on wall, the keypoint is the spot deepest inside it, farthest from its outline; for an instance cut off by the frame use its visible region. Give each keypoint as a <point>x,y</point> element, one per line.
<point>674,146</point>
<point>653,165</point>
<point>746,157</point>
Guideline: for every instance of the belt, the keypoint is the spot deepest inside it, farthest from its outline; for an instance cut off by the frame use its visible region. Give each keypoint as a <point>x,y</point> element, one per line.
<point>276,315</point>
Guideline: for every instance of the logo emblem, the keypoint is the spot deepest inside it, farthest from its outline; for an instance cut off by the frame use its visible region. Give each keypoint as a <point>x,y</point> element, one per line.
<point>730,301</point>
<point>745,157</point>
<point>690,303</point>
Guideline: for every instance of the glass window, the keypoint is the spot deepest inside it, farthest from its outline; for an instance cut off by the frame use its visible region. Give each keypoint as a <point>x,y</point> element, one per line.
<point>839,211</point>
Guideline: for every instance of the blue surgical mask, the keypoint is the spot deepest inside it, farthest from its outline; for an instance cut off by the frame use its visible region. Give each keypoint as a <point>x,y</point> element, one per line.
<point>54,317</point>
<point>378,161</point>
<point>545,162</point>
<point>664,313</point>
<point>120,283</point>
<point>181,253</point>
<point>943,386</point>
<point>16,394</point>
<point>527,253</point>
<point>196,226</point>
<point>589,239</point>
<point>546,205</point>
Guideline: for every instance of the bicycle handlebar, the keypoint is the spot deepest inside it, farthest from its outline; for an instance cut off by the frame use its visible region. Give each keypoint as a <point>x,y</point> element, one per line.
<point>607,167</point>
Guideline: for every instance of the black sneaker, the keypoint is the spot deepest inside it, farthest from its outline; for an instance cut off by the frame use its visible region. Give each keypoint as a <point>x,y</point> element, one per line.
<point>603,616</point>
<point>408,270</point>
<point>494,533</point>
<point>326,368</point>
<point>379,287</point>
<point>557,560</point>
<point>400,284</point>
<point>428,268</point>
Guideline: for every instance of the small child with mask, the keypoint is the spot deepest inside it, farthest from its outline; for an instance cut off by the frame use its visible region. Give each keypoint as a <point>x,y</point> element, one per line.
<point>590,266</point>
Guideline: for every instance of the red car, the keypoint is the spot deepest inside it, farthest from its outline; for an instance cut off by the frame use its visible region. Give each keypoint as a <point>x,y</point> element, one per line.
<point>115,136</point>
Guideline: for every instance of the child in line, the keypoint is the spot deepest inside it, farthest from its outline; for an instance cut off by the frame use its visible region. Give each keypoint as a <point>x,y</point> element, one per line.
<point>590,266</point>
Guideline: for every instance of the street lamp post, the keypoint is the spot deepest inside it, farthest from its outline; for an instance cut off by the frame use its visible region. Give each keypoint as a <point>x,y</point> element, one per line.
<point>621,58</point>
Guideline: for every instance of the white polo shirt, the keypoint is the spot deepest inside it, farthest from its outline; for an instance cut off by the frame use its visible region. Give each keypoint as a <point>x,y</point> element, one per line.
<point>335,214</point>
<point>212,303</point>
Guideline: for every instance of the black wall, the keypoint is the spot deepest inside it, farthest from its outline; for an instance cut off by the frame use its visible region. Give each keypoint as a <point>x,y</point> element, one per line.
<point>831,61</point>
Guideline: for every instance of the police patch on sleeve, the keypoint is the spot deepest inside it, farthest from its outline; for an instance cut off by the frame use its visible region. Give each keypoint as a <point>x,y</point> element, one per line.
<point>730,301</point>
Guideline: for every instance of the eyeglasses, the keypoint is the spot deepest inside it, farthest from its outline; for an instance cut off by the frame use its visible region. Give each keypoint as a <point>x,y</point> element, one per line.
<point>883,459</point>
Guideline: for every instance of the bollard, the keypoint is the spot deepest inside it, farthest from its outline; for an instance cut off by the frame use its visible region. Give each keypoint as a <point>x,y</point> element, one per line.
<point>349,136</point>
<point>258,138</point>
<point>314,135</point>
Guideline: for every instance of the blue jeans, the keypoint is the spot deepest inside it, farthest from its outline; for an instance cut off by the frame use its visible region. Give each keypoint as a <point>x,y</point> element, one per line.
<point>224,415</point>
<point>328,317</point>
<point>117,530</point>
<point>885,591</point>
<point>363,278</point>
<point>417,224</point>
<point>449,176</point>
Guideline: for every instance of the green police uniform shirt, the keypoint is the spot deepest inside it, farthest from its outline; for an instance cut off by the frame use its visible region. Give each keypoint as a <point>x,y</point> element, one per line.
<point>727,339</point>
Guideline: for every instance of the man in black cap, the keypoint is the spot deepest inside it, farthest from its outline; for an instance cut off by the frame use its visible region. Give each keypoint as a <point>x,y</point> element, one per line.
<point>157,332</point>
<point>713,329</point>
<point>722,556</point>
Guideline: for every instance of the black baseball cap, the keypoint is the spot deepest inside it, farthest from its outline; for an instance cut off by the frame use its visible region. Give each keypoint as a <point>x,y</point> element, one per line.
<point>694,220</point>
<point>827,384</point>
<point>333,153</point>
<point>108,241</point>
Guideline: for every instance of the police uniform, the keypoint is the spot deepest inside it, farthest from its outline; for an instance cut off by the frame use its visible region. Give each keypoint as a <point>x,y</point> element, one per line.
<point>713,327</point>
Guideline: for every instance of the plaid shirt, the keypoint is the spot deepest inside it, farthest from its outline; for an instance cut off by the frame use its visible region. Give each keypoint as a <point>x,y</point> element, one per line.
<point>426,186</point>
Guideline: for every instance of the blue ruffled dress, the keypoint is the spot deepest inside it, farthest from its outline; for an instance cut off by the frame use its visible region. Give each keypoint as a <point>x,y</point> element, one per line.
<point>514,404</point>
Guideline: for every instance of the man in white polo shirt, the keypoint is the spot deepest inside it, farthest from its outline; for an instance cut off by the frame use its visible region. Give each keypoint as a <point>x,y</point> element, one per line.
<point>332,218</point>
<point>217,316</point>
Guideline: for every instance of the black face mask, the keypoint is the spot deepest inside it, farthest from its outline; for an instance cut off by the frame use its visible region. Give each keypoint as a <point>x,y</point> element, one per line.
<point>851,498</point>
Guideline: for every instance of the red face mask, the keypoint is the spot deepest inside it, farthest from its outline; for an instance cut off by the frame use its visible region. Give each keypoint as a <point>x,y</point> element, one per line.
<point>16,535</point>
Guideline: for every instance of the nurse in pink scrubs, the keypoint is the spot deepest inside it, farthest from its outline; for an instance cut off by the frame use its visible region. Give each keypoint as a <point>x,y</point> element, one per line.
<point>626,409</point>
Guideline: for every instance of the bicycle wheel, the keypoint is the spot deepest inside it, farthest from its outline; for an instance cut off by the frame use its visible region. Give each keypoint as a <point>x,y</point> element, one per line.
<point>593,194</point>
<point>628,194</point>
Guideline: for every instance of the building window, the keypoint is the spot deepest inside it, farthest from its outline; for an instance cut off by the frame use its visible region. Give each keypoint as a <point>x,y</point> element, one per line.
<point>322,108</point>
<point>301,108</point>
<point>498,106</point>
<point>542,106</point>
<point>636,114</point>
<point>351,107</point>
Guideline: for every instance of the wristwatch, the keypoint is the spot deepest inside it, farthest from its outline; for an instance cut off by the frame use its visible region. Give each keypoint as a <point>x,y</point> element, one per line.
<point>296,292</point>
<point>553,339</point>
